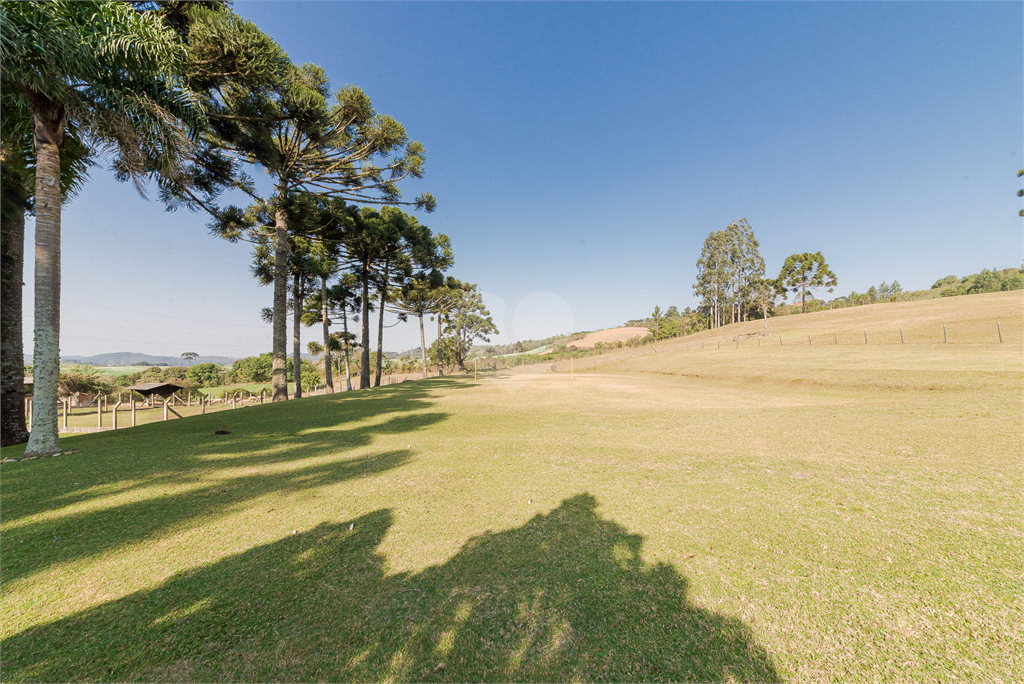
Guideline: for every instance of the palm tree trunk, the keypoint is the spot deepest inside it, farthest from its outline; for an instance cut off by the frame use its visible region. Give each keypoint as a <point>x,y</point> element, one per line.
<point>364,366</point>
<point>279,379</point>
<point>423,346</point>
<point>380,325</point>
<point>297,296</point>
<point>12,357</point>
<point>46,353</point>
<point>327,335</point>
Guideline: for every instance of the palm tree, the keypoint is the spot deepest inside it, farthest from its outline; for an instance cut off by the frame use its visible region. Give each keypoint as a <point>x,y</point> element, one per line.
<point>17,168</point>
<point>110,72</point>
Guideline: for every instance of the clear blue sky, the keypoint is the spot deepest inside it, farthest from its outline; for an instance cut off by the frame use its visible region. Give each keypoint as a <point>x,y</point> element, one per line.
<point>582,152</point>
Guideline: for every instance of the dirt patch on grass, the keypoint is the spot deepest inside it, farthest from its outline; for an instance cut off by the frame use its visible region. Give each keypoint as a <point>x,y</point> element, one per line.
<point>610,336</point>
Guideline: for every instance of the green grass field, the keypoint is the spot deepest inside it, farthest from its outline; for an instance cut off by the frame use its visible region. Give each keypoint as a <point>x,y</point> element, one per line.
<point>818,512</point>
<point>115,371</point>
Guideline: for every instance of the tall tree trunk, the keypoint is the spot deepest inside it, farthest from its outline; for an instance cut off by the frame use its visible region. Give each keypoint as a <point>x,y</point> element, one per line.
<point>279,378</point>
<point>440,363</point>
<point>328,379</point>
<point>364,366</point>
<point>380,325</point>
<point>12,357</point>
<point>423,346</point>
<point>344,328</point>
<point>460,349</point>
<point>298,295</point>
<point>49,132</point>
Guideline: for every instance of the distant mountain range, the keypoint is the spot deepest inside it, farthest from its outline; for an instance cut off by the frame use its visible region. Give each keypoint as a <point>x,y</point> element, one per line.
<point>134,359</point>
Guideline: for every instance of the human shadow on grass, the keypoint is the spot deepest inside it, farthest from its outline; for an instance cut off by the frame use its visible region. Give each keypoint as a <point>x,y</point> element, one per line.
<point>565,597</point>
<point>313,435</point>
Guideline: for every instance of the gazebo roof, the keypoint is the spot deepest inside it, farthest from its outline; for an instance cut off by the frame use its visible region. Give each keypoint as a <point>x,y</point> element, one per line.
<point>164,389</point>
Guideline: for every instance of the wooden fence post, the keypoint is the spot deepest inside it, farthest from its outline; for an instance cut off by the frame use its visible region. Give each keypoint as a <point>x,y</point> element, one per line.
<point>945,338</point>
<point>902,341</point>
<point>780,340</point>
<point>1000,328</point>
<point>202,404</point>
<point>65,404</point>
<point>808,339</point>
<point>165,407</point>
<point>234,399</point>
<point>116,406</point>
<point>865,337</point>
<point>99,414</point>
<point>131,398</point>
<point>835,337</point>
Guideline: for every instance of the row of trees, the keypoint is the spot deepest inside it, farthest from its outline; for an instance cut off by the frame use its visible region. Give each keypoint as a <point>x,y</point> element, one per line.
<point>731,282</point>
<point>950,286</point>
<point>673,323</point>
<point>985,281</point>
<point>727,273</point>
<point>192,97</point>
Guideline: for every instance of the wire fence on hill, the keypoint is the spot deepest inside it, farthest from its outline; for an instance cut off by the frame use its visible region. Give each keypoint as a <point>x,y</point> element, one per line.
<point>984,333</point>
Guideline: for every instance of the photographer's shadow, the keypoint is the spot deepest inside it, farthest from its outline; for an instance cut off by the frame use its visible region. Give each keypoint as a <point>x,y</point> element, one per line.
<point>565,597</point>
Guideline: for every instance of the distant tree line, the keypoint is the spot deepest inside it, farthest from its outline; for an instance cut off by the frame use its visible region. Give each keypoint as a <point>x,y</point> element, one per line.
<point>732,287</point>
<point>672,322</point>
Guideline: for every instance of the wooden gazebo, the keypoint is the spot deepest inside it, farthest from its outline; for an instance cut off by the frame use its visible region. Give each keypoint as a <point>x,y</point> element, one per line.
<point>162,389</point>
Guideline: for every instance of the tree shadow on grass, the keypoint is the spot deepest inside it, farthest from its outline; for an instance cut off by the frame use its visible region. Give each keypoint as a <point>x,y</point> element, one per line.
<point>312,437</point>
<point>565,597</point>
<point>183,443</point>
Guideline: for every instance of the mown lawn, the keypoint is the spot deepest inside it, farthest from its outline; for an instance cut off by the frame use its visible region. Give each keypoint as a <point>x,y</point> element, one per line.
<point>812,513</point>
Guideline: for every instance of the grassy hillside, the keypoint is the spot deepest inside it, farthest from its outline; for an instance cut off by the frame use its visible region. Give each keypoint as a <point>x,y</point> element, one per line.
<point>796,512</point>
<point>970,319</point>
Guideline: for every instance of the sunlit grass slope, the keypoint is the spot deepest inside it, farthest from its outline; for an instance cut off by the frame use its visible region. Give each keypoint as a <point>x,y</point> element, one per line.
<point>815,512</point>
<point>969,319</point>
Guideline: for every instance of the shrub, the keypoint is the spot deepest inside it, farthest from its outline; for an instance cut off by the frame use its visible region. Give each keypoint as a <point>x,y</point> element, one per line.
<point>152,374</point>
<point>987,281</point>
<point>82,379</point>
<point>128,380</point>
<point>254,368</point>
<point>205,375</point>
<point>1015,282</point>
<point>174,373</point>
